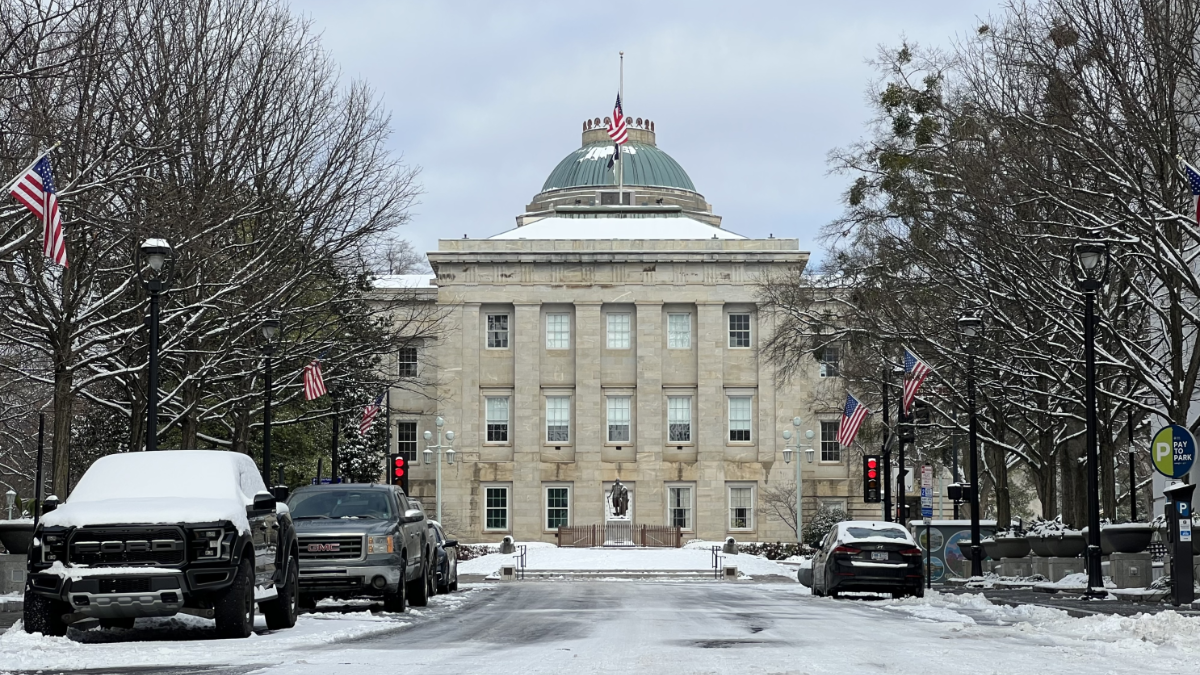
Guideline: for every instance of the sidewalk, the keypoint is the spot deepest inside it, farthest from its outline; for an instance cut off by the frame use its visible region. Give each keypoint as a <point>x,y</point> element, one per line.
<point>1070,603</point>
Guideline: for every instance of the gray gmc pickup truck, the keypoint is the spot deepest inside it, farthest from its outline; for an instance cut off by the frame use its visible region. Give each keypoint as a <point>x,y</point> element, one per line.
<point>362,540</point>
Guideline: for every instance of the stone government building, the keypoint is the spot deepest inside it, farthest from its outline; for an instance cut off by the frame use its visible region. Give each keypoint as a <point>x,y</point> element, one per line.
<point>611,337</point>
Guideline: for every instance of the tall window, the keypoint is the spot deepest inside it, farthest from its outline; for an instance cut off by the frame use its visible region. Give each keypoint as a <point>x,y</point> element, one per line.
<point>830,356</point>
<point>497,331</point>
<point>558,507</point>
<point>679,507</point>
<point>495,508</point>
<point>679,331</point>
<point>739,418</point>
<point>408,362</point>
<point>618,419</point>
<point>741,507</point>
<point>831,450</point>
<point>739,330</point>
<point>558,419</point>
<point>618,331</point>
<point>497,419</point>
<point>558,331</point>
<point>679,419</point>
<point>406,440</point>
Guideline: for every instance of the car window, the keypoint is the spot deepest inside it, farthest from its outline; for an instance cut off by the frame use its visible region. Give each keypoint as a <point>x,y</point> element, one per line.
<point>315,504</point>
<point>437,533</point>
<point>868,532</point>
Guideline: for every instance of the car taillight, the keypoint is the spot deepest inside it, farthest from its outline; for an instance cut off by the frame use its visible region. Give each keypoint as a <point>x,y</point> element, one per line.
<point>912,551</point>
<point>847,549</point>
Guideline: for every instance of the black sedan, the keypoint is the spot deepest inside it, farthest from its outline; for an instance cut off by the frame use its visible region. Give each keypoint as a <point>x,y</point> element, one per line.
<point>447,559</point>
<point>868,556</point>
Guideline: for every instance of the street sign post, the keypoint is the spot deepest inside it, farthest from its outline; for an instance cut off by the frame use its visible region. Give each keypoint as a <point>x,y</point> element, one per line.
<point>1173,450</point>
<point>927,514</point>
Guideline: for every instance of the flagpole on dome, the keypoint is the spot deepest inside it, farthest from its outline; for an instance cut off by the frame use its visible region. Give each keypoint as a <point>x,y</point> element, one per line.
<point>620,162</point>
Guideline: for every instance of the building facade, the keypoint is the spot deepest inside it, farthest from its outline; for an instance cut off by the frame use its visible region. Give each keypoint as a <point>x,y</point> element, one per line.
<point>614,336</point>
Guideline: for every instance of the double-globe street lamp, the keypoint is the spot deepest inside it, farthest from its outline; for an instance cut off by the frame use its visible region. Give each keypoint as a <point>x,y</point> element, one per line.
<point>971,327</point>
<point>441,447</point>
<point>1093,262</point>
<point>788,448</point>
<point>155,254</point>
<point>270,334</point>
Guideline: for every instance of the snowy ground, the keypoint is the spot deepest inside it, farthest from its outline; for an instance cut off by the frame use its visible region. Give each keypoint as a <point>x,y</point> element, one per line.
<point>697,557</point>
<point>634,627</point>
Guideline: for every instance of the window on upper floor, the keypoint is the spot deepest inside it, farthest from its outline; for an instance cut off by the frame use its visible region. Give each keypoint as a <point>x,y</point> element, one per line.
<point>408,362</point>
<point>558,331</point>
<point>406,440</point>
<point>558,419</point>
<point>497,419</point>
<point>618,331</point>
<point>831,450</point>
<point>679,331</point>
<point>830,357</point>
<point>739,331</point>
<point>679,419</point>
<point>739,418</point>
<point>497,331</point>
<point>618,419</point>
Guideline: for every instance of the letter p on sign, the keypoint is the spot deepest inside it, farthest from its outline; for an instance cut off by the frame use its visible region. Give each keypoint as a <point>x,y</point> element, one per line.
<point>1162,450</point>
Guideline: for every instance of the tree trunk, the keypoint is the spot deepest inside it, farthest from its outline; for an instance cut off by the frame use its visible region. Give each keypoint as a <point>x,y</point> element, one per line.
<point>60,440</point>
<point>1108,475</point>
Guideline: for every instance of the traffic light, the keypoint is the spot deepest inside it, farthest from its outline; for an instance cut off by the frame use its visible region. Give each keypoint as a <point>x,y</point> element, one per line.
<point>907,432</point>
<point>398,466</point>
<point>871,493</point>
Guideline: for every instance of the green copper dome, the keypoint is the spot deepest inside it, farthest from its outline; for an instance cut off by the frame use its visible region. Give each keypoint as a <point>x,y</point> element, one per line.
<point>645,165</point>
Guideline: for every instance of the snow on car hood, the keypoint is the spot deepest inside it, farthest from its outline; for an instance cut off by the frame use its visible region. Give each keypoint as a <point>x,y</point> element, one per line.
<point>170,486</point>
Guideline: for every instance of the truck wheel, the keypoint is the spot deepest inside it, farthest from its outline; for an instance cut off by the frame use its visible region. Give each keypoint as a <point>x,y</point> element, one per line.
<point>234,609</point>
<point>431,577</point>
<point>281,612</point>
<point>418,589</point>
<point>44,615</point>
<point>394,602</point>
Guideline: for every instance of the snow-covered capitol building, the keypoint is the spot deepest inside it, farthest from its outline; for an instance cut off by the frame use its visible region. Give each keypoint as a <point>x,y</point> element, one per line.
<point>611,337</point>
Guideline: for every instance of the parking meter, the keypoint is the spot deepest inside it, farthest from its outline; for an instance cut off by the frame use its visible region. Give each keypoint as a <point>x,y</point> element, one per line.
<point>1179,536</point>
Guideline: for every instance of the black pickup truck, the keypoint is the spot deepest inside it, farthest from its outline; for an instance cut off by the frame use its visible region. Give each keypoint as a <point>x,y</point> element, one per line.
<point>362,540</point>
<point>161,533</point>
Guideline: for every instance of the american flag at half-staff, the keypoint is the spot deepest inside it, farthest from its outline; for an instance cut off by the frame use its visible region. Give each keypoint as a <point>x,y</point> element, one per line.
<point>1193,178</point>
<point>35,189</point>
<point>915,372</point>
<point>853,415</point>
<point>617,131</point>
<point>314,384</point>
<point>369,414</point>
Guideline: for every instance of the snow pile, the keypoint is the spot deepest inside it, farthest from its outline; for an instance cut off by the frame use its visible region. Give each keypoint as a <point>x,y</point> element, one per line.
<point>550,558</point>
<point>657,227</point>
<point>1167,628</point>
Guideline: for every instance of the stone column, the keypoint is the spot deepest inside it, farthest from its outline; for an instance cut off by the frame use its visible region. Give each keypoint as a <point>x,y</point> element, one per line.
<point>589,415</point>
<point>650,507</point>
<point>526,420</point>
<point>711,335</point>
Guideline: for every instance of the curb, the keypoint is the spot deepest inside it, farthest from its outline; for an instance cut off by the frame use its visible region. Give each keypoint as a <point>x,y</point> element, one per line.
<point>12,605</point>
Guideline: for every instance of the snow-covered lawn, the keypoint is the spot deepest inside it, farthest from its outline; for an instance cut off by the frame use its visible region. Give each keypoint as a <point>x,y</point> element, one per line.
<point>186,640</point>
<point>695,557</point>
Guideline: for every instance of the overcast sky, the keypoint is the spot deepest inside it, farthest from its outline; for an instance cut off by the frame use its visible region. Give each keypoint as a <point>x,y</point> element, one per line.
<point>749,97</point>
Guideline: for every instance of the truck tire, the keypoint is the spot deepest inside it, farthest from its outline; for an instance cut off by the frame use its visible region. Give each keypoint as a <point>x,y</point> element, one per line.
<point>395,602</point>
<point>234,609</point>
<point>418,589</point>
<point>431,578</point>
<point>44,615</point>
<point>281,612</point>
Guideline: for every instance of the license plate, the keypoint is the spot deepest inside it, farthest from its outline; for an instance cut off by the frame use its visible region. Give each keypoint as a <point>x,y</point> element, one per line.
<point>879,555</point>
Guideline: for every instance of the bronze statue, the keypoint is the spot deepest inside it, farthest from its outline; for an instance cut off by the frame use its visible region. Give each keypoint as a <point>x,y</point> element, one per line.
<point>619,498</point>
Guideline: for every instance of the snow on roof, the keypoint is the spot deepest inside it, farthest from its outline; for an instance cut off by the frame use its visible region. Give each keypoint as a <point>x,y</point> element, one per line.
<point>169,486</point>
<point>675,227</point>
<point>405,281</point>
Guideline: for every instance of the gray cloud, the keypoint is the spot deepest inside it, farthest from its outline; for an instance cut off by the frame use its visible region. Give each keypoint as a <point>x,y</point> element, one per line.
<point>749,97</point>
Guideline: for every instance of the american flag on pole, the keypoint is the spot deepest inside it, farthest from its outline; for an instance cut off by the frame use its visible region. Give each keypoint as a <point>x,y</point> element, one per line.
<point>1193,177</point>
<point>369,414</point>
<point>852,418</point>
<point>915,372</point>
<point>617,132</point>
<point>35,189</point>
<point>314,384</point>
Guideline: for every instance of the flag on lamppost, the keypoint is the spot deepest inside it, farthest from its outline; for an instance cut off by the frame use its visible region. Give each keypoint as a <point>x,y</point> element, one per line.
<point>853,415</point>
<point>35,189</point>
<point>369,414</point>
<point>915,372</point>
<point>314,383</point>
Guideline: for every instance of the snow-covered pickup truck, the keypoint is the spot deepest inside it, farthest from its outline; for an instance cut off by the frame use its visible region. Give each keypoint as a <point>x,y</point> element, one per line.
<point>161,533</point>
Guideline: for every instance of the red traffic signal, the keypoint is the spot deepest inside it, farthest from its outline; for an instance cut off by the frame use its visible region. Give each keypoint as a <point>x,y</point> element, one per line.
<point>871,493</point>
<point>398,466</point>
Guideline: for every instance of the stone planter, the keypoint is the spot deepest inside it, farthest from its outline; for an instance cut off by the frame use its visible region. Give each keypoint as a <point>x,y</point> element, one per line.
<point>1069,544</point>
<point>16,535</point>
<point>1006,547</point>
<point>1126,538</point>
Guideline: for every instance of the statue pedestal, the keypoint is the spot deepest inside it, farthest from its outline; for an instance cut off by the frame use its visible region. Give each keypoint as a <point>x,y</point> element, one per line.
<point>618,532</point>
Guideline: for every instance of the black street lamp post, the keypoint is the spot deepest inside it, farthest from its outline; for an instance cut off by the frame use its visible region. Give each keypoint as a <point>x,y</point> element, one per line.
<point>270,333</point>
<point>971,326</point>
<point>158,256</point>
<point>1093,262</point>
